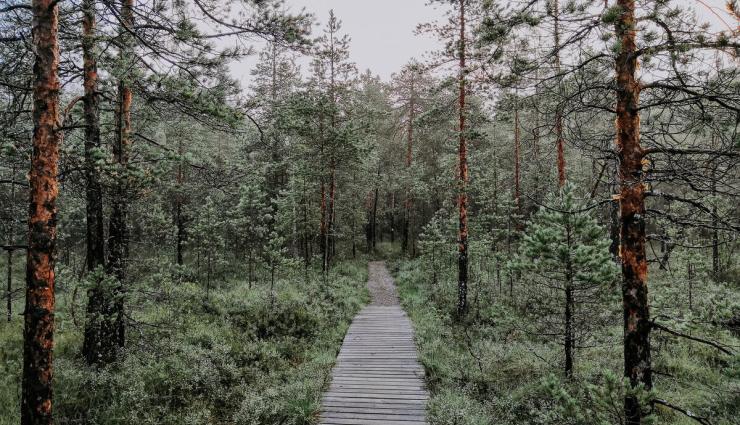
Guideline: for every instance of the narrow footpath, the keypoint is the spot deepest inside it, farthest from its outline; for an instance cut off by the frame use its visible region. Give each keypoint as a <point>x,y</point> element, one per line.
<point>377,378</point>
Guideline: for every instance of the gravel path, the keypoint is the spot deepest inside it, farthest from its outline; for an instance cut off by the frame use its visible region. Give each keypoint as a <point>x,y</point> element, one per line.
<point>380,283</point>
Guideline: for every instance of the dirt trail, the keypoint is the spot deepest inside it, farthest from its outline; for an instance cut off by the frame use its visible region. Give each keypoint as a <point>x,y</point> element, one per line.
<point>380,283</point>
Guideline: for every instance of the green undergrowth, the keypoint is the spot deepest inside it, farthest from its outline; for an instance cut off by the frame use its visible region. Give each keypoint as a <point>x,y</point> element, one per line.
<point>494,368</point>
<point>234,356</point>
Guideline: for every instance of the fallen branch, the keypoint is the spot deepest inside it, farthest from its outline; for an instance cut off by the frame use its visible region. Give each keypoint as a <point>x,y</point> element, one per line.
<point>13,247</point>
<point>702,420</point>
<point>693,338</point>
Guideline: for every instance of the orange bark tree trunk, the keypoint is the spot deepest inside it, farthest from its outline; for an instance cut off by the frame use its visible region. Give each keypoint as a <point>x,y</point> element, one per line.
<point>560,141</point>
<point>38,334</point>
<point>462,261</point>
<point>637,366</point>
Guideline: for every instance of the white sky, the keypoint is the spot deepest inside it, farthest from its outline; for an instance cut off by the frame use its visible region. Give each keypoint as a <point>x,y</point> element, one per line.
<point>383,35</point>
<point>381,32</point>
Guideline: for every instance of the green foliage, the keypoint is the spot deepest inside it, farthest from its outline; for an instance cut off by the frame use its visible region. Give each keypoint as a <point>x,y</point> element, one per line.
<point>599,403</point>
<point>611,14</point>
<point>497,367</point>
<point>564,238</point>
<point>232,358</point>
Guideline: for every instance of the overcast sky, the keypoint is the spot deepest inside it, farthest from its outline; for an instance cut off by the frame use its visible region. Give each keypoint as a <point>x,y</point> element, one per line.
<point>382,31</point>
<point>383,36</point>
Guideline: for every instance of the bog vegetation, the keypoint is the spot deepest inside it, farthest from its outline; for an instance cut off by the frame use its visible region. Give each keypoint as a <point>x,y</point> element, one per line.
<point>555,190</point>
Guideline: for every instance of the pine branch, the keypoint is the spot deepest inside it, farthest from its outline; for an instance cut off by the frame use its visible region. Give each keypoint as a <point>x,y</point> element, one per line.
<point>702,420</point>
<point>693,338</point>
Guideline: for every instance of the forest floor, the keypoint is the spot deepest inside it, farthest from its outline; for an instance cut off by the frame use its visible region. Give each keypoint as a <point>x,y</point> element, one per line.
<point>494,367</point>
<point>229,353</point>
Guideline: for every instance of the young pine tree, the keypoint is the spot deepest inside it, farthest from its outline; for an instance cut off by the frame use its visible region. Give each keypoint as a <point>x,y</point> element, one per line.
<point>566,256</point>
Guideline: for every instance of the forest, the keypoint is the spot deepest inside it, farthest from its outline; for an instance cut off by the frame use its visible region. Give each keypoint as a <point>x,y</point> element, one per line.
<point>535,222</point>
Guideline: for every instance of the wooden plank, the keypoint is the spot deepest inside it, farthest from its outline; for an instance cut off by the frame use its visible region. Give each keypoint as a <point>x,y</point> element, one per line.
<point>377,378</point>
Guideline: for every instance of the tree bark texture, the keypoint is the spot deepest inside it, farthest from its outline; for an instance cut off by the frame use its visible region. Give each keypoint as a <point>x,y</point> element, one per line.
<point>637,363</point>
<point>38,334</point>
<point>462,262</point>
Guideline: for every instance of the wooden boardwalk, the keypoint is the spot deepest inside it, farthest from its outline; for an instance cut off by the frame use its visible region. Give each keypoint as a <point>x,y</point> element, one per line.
<point>377,378</point>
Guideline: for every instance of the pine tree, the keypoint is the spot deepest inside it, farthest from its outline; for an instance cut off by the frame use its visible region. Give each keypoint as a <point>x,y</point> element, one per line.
<point>332,77</point>
<point>208,238</point>
<point>252,220</point>
<point>565,254</point>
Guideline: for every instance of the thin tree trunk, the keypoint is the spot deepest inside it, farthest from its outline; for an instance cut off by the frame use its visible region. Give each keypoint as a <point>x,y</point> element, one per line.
<point>374,222</point>
<point>11,239</point>
<point>9,292</point>
<point>100,328</point>
<point>38,333</point>
<point>517,163</point>
<point>208,275</point>
<point>409,156</point>
<point>323,234</point>
<point>330,220</point>
<point>569,331</point>
<point>637,362</point>
<point>558,113</point>
<point>690,278</point>
<point>179,201</point>
<point>306,240</point>
<point>462,262</point>
<point>715,222</point>
<point>392,217</point>
<point>118,231</point>
<point>536,142</point>
<point>568,310</point>
<point>93,191</point>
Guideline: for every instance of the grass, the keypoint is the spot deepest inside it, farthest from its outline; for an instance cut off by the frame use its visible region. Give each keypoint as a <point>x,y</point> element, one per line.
<point>235,356</point>
<point>493,368</point>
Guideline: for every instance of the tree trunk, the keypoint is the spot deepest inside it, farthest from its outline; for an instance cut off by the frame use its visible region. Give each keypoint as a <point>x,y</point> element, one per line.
<point>374,222</point>
<point>715,222</point>
<point>536,144</point>
<point>517,164</point>
<point>409,156</point>
<point>323,234</point>
<point>93,191</point>
<point>11,239</point>
<point>637,367</point>
<point>330,219</point>
<point>99,326</point>
<point>306,237</point>
<point>559,112</point>
<point>38,333</point>
<point>462,262</point>
<point>118,228</point>
<point>568,319</point>
<point>179,201</point>
<point>569,331</point>
<point>9,292</point>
